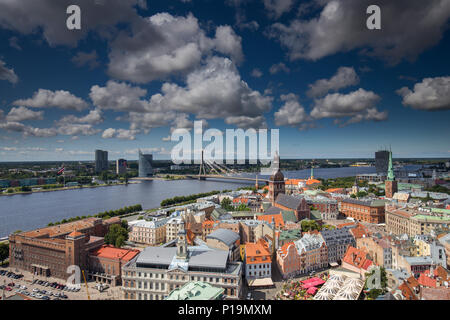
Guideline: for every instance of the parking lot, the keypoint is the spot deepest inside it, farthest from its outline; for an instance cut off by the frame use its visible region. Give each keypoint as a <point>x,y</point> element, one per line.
<point>14,281</point>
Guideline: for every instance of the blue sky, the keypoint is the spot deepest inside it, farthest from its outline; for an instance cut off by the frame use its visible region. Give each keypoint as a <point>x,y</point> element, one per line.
<point>138,70</point>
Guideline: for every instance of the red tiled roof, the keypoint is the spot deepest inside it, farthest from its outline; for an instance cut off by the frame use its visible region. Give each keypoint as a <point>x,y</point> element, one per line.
<point>407,291</point>
<point>427,281</point>
<point>357,258</point>
<point>278,219</point>
<point>75,234</point>
<point>111,252</point>
<point>359,231</point>
<point>412,282</point>
<point>255,252</point>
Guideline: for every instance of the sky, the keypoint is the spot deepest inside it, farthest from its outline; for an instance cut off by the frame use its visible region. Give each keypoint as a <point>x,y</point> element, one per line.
<point>138,70</point>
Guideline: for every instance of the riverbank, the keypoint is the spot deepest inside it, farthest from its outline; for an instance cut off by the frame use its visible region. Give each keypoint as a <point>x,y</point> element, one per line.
<point>69,188</point>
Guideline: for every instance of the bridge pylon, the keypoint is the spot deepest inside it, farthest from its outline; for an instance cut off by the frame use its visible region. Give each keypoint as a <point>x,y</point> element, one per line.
<point>202,170</point>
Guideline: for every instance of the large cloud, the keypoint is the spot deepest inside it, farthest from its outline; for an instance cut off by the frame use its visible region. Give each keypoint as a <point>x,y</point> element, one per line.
<point>214,91</point>
<point>358,105</point>
<point>21,114</point>
<point>408,28</point>
<point>7,74</point>
<point>58,99</point>
<point>432,94</point>
<point>93,117</point>
<point>344,77</point>
<point>292,113</point>
<point>163,45</point>
<point>119,96</point>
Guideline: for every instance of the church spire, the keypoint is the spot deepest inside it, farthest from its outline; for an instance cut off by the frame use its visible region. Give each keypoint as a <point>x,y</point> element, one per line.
<point>390,173</point>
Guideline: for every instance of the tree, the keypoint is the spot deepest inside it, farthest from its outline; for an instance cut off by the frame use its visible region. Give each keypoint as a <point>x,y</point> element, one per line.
<point>4,252</point>
<point>117,235</point>
<point>226,204</point>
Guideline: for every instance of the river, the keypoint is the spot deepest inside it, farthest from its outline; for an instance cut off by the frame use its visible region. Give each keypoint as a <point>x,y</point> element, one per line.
<point>30,211</point>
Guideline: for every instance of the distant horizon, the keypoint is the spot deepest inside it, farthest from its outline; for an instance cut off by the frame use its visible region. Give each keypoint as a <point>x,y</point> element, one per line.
<point>281,158</point>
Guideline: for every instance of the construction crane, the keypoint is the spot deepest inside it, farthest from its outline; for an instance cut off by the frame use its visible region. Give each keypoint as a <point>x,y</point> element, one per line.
<point>85,282</point>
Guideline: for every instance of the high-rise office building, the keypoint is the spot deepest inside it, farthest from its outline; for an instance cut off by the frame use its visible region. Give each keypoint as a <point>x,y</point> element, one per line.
<point>145,165</point>
<point>101,161</point>
<point>381,161</point>
<point>121,166</point>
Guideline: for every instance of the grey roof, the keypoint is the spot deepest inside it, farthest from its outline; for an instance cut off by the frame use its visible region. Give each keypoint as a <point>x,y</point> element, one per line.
<point>157,255</point>
<point>273,210</point>
<point>288,201</point>
<point>199,257</point>
<point>337,236</point>
<point>226,236</point>
<point>208,259</point>
<point>371,203</point>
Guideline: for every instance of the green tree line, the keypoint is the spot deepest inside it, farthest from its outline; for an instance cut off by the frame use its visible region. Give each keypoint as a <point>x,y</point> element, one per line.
<point>181,199</point>
<point>103,215</point>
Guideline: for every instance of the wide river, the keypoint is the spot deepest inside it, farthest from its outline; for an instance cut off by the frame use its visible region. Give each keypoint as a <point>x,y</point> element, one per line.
<point>29,211</point>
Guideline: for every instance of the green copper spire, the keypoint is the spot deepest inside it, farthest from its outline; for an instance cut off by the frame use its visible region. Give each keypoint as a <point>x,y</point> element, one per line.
<point>390,175</point>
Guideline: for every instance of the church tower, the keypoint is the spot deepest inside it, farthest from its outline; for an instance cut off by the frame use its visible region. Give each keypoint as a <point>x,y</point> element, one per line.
<point>355,188</point>
<point>182,242</point>
<point>276,181</point>
<point>390,183</point>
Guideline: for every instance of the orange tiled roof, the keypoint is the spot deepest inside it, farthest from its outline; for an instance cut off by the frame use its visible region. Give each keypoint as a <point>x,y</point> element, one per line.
<point>257,252</point>
<point>75,234</point>
<point>240,200</point>
<point>312,181</point>
<point>412,282</point>
<point>339,226</point>
<point>278,219</point>
<point>427,281</point>
<point>207,224</point>
<point>62,229</point>
<point>332,190</point>
<point>359,231</point>
<point>111,252</point>
<point>294,181</point>
<point>407,291</point>
<point>357,258</point>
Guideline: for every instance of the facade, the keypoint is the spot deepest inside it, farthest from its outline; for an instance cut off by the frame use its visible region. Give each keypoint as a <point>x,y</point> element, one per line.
<point>412,222</point>
<point>223,239</point>
<point>157,271</point>
<point>307,254</point>
<point>101,161</point>
<point>152,232</point>
<point>49,251</point>
<point>173,226</point>
<point>105,264</point>
<point>121,166</point>
<point>145,165</point>
<point>337,242</point>
<point>365,211</point>
<point>258,261</point>
<point>379,250</point>
<point>382,161</point>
